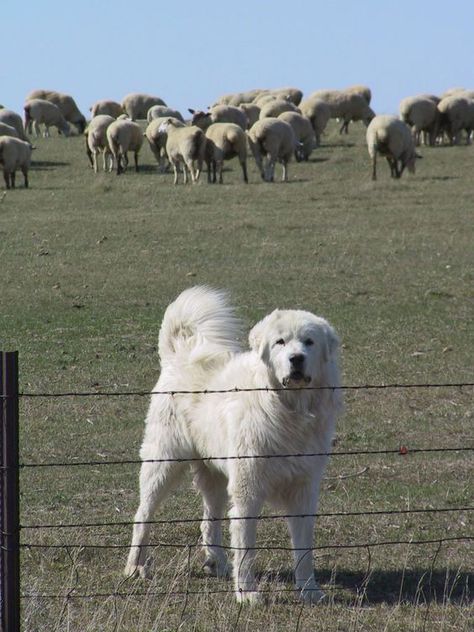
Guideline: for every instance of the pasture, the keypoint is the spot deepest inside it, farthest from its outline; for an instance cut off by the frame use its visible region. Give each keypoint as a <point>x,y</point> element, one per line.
<point>88,265</point>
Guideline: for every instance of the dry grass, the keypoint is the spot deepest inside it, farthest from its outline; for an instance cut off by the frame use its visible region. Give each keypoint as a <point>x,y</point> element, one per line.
<point>89,264</point>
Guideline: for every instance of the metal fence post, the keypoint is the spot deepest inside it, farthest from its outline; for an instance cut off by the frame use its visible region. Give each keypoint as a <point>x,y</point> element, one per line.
<point>9,494</point>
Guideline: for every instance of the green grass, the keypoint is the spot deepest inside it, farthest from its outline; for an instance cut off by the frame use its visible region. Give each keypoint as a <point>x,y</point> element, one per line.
<point>88,265</point>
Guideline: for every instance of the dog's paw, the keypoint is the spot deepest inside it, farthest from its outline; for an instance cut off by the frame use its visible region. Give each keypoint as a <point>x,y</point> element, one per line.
<point>137,570</point>
<point>312,596</point>
<point>250,597</point>
<point>216,568</point>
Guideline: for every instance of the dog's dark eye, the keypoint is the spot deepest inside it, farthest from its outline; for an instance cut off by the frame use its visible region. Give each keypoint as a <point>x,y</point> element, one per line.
<point>308,342</point>
<point>280,341</point>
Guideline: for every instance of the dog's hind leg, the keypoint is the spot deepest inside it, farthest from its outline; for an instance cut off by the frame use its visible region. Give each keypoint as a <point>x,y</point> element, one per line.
<point>156,481</point>
<point>213,488</point>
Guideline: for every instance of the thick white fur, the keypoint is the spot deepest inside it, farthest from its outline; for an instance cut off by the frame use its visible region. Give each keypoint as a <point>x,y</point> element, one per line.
<point>199,350</point>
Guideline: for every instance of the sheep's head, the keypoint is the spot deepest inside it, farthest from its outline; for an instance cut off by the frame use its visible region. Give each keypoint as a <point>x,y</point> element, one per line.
<point>200,119</point>
<point>163,127</point>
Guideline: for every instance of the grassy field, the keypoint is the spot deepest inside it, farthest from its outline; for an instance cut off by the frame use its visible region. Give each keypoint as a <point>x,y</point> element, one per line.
<point>88,265</point>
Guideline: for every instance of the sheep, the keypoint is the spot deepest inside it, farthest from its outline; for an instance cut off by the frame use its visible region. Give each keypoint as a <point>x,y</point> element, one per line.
<point>390,137</point>
<point>251,111</point>
<point>123,136</point>
<point>136,104</point>
<point>8,130</point>
<point>14,120</point>
<point>274,139</point>
<point>157,139</point>
<point>364,91</point>
<point>348,106</point>
<point>272,109</point>
<point>225,141</point>
<point>264,98</point>
<point>184,145</point>
<point>422,115</point>
<point>294,95</point>
<point>14,154</point>
<point>456,114</point>
<point>237,98</point>
<point>303,131</point>
<point>163,111</point>
<point>40,111</point>
<point>318,112</point>
<point>219,114</point>
<point>96,141</point>
<point>65,103</point>
<point>110,108</point>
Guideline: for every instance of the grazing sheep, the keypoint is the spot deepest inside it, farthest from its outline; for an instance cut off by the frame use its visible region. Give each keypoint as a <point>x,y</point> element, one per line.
<point>185,145</point>
<point>346,106</point>
<point>96,141</point>
<point>304,134</point>
<point>265,97</point>
<point>274,108</point>
<point>225,141</point>
<point>422,115</point>
<point>123,136</point>
<point>14,120</point>
<point>163,111</point>
<point>65,103</point>
<point>106,107</point>
<point>318,112</point>
<point>42,112</point>
<point>251,111</point>
<point>237,98</point>
<point>14,154</point>
<point>219,114</point>
<point>287,94</point>
<point>364,91</point>
<point>157,139</point>
<point>8,130</point>
<point>456,114</point>
<point>390,137</point>
<point>136,104</point>
<point>275,140</point>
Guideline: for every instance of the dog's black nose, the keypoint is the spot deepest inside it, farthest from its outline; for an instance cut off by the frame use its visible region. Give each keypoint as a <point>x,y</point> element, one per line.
<point>296,360</point>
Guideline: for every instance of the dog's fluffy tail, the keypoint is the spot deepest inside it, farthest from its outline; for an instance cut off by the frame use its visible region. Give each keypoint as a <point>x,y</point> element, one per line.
<point>199,329</point>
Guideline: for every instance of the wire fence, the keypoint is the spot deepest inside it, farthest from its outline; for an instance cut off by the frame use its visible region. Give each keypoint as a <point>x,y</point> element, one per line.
<point>401,450</point>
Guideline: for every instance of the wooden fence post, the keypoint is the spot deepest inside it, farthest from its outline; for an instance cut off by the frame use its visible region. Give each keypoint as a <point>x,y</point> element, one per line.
<point>9,494</point>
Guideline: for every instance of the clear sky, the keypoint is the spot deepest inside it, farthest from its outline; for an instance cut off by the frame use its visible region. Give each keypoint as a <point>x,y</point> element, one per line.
<point>189,53</point>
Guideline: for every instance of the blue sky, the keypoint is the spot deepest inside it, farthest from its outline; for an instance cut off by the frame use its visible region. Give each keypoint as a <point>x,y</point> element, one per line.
<point>190,52</point>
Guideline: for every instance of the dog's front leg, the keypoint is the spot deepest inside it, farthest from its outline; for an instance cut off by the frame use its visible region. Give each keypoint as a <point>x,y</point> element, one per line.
<point>243,528</point>
<point>301,532</point>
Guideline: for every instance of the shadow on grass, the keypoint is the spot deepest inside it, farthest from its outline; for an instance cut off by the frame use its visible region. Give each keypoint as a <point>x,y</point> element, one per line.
<point>43,165</point>
<point>410,586</point>
<point>441,178</point>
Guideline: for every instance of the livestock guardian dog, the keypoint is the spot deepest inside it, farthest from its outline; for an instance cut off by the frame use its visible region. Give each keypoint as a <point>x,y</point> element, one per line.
<point>290,351</point>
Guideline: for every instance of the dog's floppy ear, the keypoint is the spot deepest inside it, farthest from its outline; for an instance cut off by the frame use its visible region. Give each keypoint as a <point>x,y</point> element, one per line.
<point>257,334</point>
<point>331,342</point>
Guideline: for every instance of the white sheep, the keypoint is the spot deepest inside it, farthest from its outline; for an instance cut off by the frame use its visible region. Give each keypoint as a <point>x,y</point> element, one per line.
<point>274,108</point>
<point>123,136</point>
<point>42,112</point>
<point>185,146</point>
<point>422,115</point>
<point>274,140</point>
<point>96,141</point>
<point>303,131</point>
<point>456,114</point>
<point>65,103</point>
<point>237,98</point>
<point>219,114</point>
<point>225,141</point>
<point>318,112</point>
<point>137,104</point>
<point>364,91</point>
<point>346,106</point>
<point>157,139</point>
<point>390,137</point>
<point>8,130</point>
<point>14,154</point>
<point>9,117</point>
<point>288,94</point>
<point>163,111</point>
<point>108,107</point>
<point>251,111</point>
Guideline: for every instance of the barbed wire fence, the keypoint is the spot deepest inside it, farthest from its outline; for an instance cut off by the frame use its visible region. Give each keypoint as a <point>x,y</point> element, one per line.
<point>11,528</point>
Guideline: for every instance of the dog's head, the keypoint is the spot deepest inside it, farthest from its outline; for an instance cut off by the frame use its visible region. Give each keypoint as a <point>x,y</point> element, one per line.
<point>297,347</point>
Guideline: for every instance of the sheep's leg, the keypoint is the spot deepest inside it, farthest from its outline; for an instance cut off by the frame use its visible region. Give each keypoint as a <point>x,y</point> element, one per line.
<point>6,177</point>
<point>212,486</point>
<point>156,481</point>
<point>374,166</point>
<point>37,130</point>
<point>270,169</point>
<point>46,131</point>
<point>94,161</point>
<point>135,156</point>
<point>220,166</point>
<point>284,176</point>
<point>25,176</point>
<point>243,164</point>
<point>12,178</point>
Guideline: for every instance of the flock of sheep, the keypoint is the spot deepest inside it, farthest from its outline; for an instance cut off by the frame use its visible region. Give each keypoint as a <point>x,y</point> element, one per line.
<point>276,124</point>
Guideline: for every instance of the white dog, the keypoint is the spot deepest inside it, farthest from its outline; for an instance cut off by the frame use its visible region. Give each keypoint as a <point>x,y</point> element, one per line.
<point>292,353</point>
